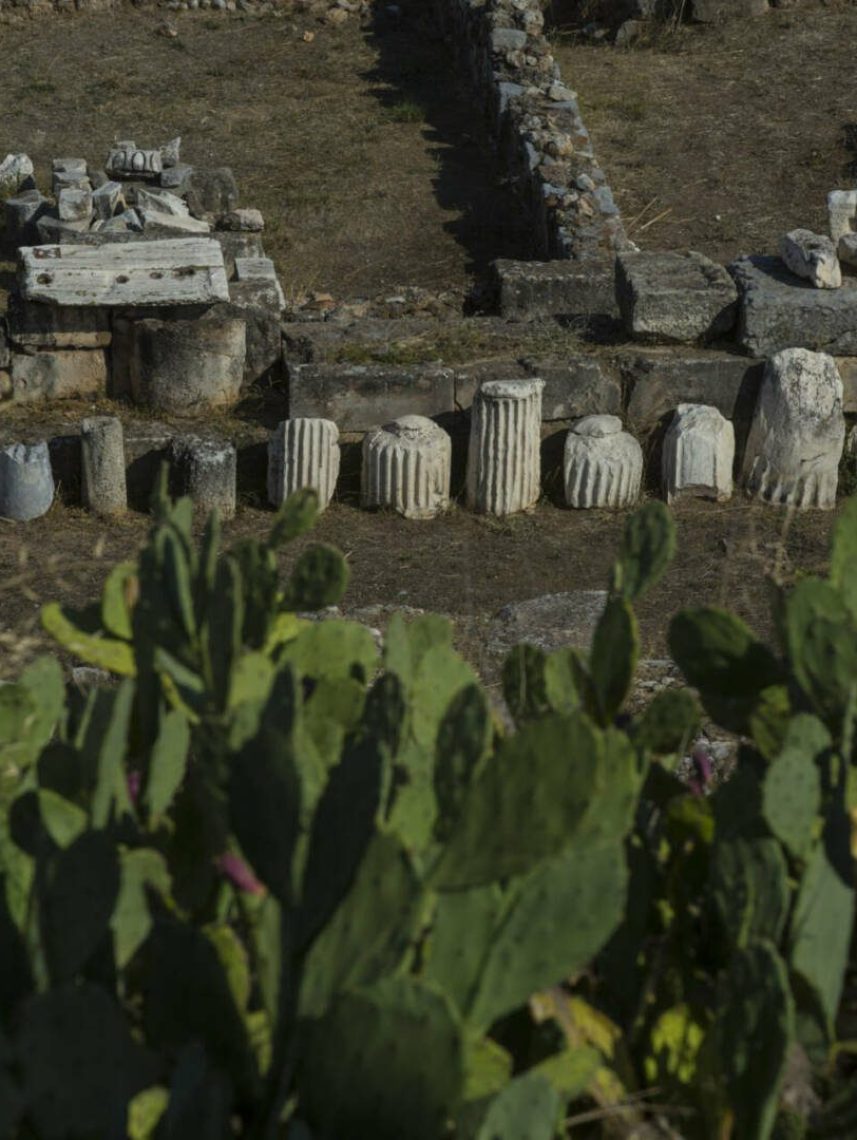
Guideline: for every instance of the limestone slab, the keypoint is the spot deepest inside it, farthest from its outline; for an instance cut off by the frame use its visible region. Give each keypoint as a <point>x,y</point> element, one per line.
<point>698,454</point>
<point>74,205</point>
<point>602,464</point>
<point>33,324</point>
<point>812,256</point>
<point>59,374</point>
<point>406,467</point>
<point>303,453</point>
<point>683,297</point>
<point>798,432</point>
<point>185,271</point>
<point>357,397</point>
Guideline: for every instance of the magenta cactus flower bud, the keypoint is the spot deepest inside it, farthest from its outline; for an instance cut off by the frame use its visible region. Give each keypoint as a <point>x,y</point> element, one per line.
<point>239,874</point>
<point>703,770</point>
<point>134,782</point>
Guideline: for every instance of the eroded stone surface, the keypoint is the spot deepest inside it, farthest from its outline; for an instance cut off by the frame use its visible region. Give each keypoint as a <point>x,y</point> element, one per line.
<point>26,481</point>
<point>602,464</point>
<point>681,297</point>
<point>303,453</point>
<point>798,432</point>
<point>841,211</point>
<point>58,374</point>
<point>102,451</point>
<point>182,366</point>
<point>406,466</point>
<point>504,461</point>
<point>16,173</point>
<point>206,470</point>
<point>812,256</point>
<point>698,454</point>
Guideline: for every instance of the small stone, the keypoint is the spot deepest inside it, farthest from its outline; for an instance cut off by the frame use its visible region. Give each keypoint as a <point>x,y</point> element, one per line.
<point>75,205</point>
<point>26,481</point>
<point>246,220</point>
<point>103,463</point>
<point>336,16</point>
<point>504,456</point>
<point>798,432</point>
<point>698,454</point>
<point>206,470</point>
<point>303,453</point>
<point>170,153</point>
<point>108,200</point>
<point>16,173</point>
<point>259,269</point>
<point>406,467</point>
<point>602,465</point>
<point>812,256</point>
<point>841,210</point>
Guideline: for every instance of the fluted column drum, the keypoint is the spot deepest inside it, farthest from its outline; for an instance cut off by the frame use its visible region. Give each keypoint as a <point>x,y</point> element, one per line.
<point>602,465</point>
<point>303,453</point>
<point>406,466</point>
<point>698,454</point>
<point>504,459</point>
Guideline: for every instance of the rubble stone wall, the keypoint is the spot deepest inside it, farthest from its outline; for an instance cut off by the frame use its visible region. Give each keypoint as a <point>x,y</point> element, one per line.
<point>536,122</point>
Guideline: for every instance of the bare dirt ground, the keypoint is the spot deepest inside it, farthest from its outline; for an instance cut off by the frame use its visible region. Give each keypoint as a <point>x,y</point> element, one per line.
<point>728,135</point>
<point>358,147</point>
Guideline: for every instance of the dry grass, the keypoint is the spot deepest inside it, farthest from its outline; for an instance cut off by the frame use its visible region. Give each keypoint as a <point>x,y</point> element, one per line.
<point>357,146</point>
<point>732,134</point>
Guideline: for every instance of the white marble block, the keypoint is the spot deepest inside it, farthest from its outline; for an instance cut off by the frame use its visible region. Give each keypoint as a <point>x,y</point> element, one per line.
<point>812,256</point>
<point>698,454</point>
<point>798,431</point>
<point>406,466</point>
<point>602,465</point>
<point>841,210</point>
<point>303,453</point>
<point>504,457</point>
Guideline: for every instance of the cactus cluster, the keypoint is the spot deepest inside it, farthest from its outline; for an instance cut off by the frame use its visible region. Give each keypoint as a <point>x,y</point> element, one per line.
<point>272,882</point>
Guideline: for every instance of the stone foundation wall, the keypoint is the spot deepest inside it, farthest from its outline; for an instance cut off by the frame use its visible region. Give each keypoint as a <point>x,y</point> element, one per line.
<point>536,122</point>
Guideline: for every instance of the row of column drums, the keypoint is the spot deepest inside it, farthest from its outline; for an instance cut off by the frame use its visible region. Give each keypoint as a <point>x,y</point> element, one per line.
<point>406,464</point>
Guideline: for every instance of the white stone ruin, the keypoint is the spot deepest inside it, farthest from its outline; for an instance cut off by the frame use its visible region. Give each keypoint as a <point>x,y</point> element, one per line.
<point>798,431</point>
<point>698,454</point>
<point>303,453</point>
<point>602,465</point>
<point>102,448</point>
<point>26,481</point>
<point>504,456</point>
<point>812,256</point>
<point>406,466</point>
<point>842,211</point>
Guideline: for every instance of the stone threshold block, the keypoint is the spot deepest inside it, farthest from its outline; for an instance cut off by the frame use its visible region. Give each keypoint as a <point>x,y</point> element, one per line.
<point>504,457</point>
<point>357,397</point>
<point>303,453</point>
<point>698,454</point>
<point>680,297</point>
<point>657,380</point>
<point>602,465</point>
<point>185,271</point>
<point>406,467</point>
<point>26,481</point>
<point>57,374</point>
<point>798,432</point>
<point>528,290</point>
<point>779,311</point>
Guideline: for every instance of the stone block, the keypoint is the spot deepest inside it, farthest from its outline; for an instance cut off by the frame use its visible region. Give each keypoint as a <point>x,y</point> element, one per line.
<point>183,272</point>
<point>184,366</point>
<point>847,368</point>
<point>659,379</point>
<point>16,173</point>
<point>103,464</point>
<point>177,177</point>
<point>69,180</point>
<point>798,432</point>
<point>778,310</point>
<point>812,256</point>
<point>528,290</point>
<point>206,470</point>
<point>211,191</point>
<point>602,465</point>
<point>259,269</point>
<point>575,385</point>
<point>59,374</point>
<point>698,454</point>
<point>33,324</point>
<point>846,250</point>
<point>132,162</point>
<point>5,349</point>
<point>841,211</point>
<point>681,297</point>
<point>246,221</point>
<point>406,467</point>
<point>162,201</point>
<point>21,214</point>
<point>26,481</point>
<point>358,397</point>
<point>168,225</point>
<point>235,244</point>
<point>107,200</point>
<point>257,303</point>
